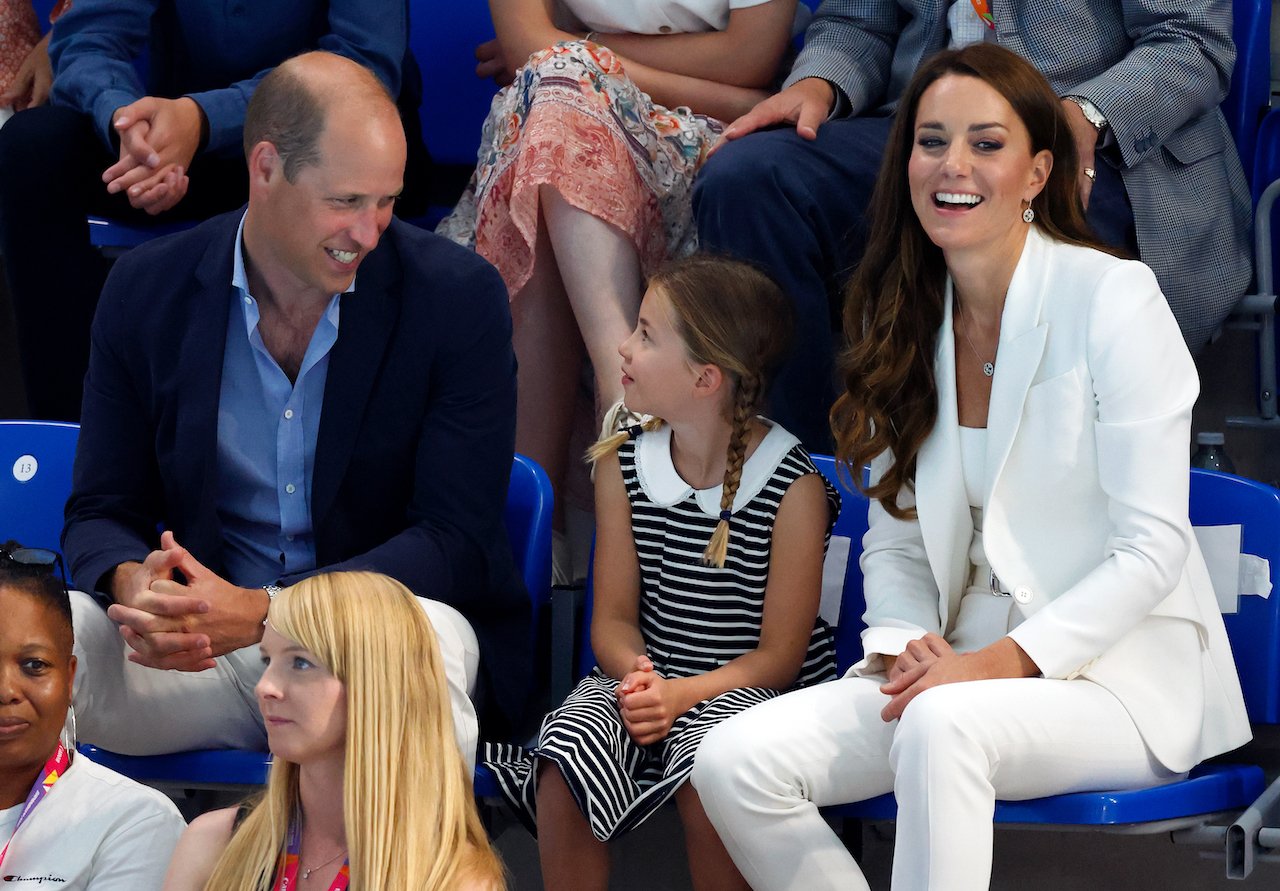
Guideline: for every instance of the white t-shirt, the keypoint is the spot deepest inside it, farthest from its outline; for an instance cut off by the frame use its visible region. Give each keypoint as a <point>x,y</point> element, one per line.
<point>654,16</point>
<point>95,831</point>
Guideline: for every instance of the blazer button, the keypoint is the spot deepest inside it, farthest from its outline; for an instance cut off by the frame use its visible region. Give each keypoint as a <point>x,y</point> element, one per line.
<point>1023,594</point>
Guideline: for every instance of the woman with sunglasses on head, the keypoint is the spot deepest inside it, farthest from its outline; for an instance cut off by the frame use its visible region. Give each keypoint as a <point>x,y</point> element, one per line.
<point>64,821</point>
<point>367,789</point>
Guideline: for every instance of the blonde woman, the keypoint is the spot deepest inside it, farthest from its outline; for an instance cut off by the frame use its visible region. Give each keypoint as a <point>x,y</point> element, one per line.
<point>367,788</point>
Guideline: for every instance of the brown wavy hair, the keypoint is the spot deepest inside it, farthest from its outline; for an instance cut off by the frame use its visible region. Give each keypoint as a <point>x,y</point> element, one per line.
<point>894,303</point>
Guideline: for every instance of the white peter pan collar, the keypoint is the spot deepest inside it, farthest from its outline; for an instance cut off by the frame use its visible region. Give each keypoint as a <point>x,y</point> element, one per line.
<point>664,487</point>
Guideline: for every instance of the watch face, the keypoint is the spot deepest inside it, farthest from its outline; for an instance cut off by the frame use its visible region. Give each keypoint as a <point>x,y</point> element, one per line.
<point>1091,113</point>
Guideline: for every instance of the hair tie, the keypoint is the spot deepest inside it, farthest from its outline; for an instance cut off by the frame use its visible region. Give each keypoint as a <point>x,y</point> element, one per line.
<point>634,431</point>
<point>725,515</point>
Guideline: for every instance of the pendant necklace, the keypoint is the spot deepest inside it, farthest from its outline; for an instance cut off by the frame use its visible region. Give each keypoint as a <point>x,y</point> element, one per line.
<point>988,368</point>
<point>306,873</point>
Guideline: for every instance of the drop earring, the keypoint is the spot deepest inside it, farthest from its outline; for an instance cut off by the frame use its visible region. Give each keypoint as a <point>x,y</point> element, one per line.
<point>1028,215</point>
<point>68,737</point>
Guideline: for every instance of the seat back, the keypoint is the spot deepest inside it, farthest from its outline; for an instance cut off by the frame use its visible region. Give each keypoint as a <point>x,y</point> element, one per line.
<point>528,521</point>
<point>35,480</point>
<point>1220,499</point>
<point>842,567</point>
<point>1250,92</point>
<point>443,35</point>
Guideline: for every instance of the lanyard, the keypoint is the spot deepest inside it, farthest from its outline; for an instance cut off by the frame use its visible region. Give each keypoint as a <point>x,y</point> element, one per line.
<point>983,9</point>
<point>53,770</point>
<point>291,862</point>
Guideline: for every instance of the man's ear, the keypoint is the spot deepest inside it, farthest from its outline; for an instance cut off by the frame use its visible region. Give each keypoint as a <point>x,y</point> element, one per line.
<point>264,163</point>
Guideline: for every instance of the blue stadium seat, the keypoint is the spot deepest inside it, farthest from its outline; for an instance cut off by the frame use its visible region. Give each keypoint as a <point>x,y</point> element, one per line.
<point>1258,142</point>
<point>528,523</point>
<point>443,36</point>
<point>1212,789</point>
<point>112,235</point>
<point>528,520</point>
<point>35,480</point>
<point>206,769</point>
<point>1250,93</point>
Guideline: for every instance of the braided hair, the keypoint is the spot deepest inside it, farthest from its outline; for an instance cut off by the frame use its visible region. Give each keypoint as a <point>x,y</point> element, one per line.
<point>731,315</point>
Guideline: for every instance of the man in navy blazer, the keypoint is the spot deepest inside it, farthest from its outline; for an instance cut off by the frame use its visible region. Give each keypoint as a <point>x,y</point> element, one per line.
<point>307,385</point>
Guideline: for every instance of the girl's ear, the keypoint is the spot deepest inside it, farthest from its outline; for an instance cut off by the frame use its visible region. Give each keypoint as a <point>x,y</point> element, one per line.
<point>709,381</point>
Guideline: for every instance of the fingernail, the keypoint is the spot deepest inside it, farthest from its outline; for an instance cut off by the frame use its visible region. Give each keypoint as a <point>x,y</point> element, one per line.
<point>135,191</point>
<point>153,159</point>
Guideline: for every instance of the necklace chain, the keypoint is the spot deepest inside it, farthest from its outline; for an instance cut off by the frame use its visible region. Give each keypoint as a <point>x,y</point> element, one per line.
<point>306,873</point>
<point>988,368</point>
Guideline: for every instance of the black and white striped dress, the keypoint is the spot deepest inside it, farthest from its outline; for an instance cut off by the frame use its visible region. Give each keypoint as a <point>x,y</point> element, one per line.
<point>694,618</point>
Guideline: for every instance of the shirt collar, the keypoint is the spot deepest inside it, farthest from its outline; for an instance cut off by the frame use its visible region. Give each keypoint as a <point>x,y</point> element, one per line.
<point>240,278</point>
<point>665,487</point>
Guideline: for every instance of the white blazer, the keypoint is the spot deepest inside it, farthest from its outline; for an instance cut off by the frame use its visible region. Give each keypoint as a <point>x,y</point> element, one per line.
<point>1085,508</point>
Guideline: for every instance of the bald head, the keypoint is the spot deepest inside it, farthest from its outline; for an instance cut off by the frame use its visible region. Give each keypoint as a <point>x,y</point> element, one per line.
<point>292,104</point>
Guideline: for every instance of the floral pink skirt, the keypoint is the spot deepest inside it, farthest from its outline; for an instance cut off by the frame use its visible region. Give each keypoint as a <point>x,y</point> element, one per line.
<point>574,120</point>
<point>19,32</point>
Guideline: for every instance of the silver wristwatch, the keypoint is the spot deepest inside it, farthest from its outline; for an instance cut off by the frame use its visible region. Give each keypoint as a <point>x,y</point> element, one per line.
<point>1091,113</point>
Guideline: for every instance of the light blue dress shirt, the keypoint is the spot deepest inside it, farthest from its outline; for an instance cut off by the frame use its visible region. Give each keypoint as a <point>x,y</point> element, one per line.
<point>267,429</point>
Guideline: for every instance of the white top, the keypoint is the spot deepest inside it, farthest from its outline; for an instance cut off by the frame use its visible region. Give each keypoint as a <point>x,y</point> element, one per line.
<point>654,16</point>
<point>95,831</point>
<point>973,461</point>
<point>982,618</point>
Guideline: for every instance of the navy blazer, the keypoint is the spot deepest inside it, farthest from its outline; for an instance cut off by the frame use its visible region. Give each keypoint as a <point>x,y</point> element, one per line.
<point>415,442</point>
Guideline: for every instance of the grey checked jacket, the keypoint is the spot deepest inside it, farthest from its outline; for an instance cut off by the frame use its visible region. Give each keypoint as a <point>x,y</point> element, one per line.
<point>1157,69</point>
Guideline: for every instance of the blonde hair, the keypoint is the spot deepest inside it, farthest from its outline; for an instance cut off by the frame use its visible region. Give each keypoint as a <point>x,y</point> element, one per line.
<point>731,315</point>
<point>407,804</point>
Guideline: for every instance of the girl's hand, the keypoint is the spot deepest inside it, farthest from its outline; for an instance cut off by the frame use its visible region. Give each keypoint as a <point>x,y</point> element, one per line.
<point>640,677</point>
<point>648,713</point>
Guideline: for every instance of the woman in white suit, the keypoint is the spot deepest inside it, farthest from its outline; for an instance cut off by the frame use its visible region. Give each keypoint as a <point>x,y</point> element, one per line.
<point>1040,619</point>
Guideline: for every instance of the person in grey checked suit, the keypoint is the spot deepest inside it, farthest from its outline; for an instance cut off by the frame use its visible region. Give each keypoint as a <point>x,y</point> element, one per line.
<point>1169,186</point>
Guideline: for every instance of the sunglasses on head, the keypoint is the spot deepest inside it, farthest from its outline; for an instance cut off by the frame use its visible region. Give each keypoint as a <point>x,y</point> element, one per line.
<point>37,560</point>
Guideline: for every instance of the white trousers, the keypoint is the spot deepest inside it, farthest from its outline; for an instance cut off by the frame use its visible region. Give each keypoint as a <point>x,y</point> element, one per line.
<point>763,774</point>
<point>134,710</point>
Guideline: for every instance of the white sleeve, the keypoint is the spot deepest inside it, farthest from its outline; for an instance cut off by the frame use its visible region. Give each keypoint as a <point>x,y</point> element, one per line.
<point>902,596</point>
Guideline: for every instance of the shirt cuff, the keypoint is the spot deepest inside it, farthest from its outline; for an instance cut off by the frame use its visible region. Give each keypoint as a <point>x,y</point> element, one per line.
<point>104,109</point>
<point>841,107</point>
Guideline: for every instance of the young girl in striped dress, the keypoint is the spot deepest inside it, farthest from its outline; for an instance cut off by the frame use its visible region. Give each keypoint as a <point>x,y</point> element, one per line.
<point>712,524</point>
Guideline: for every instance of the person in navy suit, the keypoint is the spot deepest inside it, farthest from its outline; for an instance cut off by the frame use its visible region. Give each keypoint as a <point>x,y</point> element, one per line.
<point>305,385</point>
